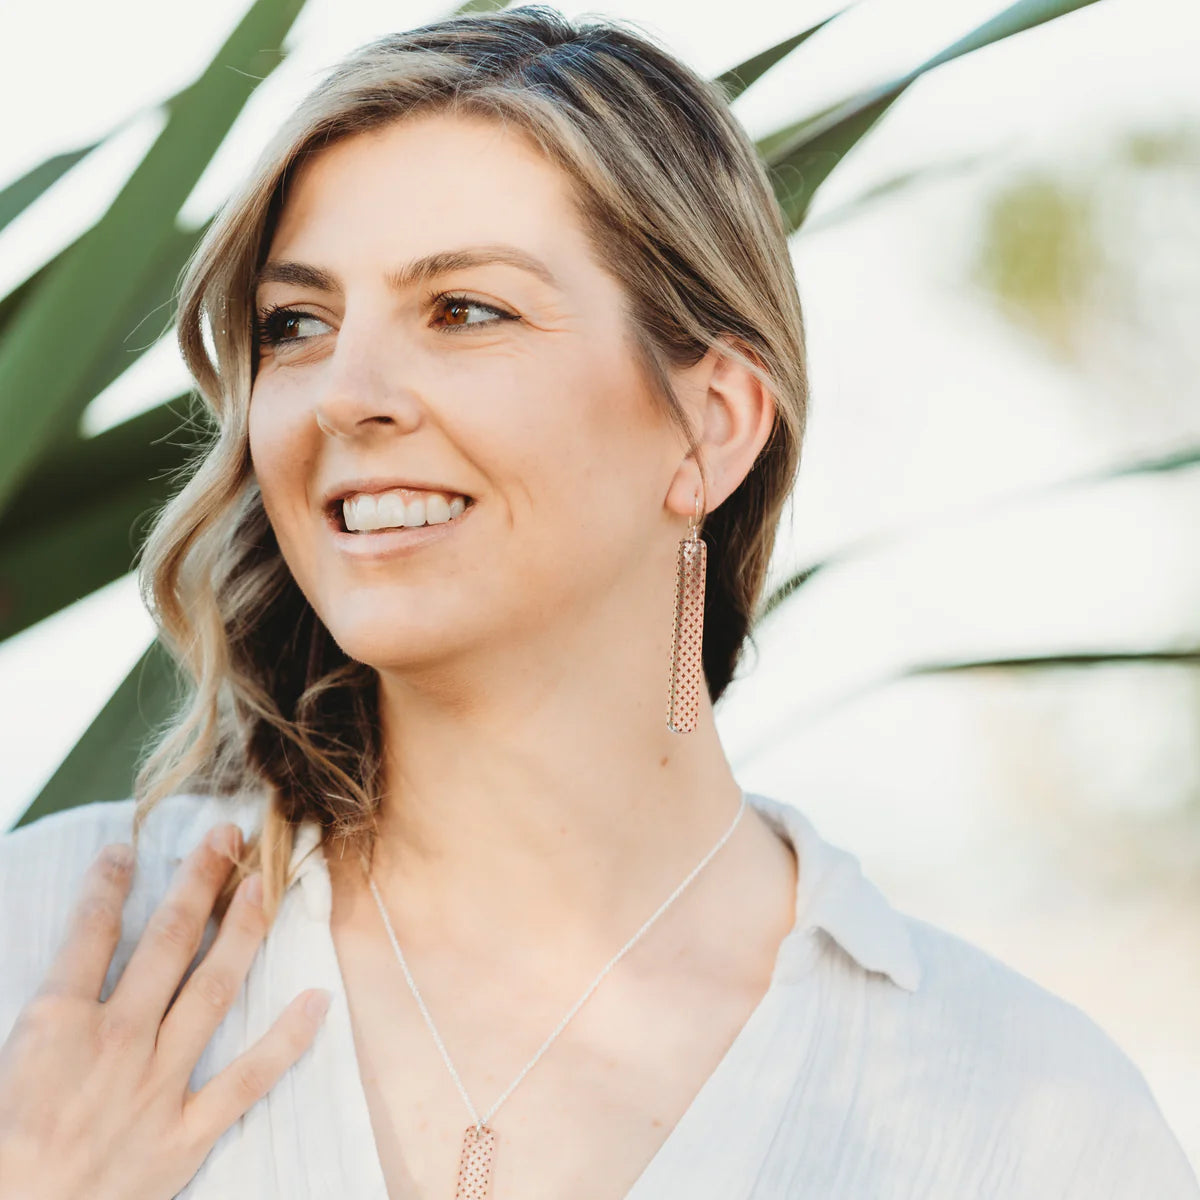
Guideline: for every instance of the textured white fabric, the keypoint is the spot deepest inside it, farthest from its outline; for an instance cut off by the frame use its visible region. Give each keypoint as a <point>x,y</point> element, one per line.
<point>888,1060</point>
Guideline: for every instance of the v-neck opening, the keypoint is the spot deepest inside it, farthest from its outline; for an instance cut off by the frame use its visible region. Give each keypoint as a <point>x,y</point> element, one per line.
<point>690,1134</point>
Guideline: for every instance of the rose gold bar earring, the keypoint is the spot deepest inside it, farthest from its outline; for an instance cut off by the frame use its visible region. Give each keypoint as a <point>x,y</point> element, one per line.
<point>683,700</point>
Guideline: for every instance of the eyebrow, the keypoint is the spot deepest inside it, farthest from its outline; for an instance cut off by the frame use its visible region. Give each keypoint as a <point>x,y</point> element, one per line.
<point>414,272</point>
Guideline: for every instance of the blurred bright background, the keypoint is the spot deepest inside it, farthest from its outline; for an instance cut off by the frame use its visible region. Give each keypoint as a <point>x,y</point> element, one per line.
<point>990,692</point>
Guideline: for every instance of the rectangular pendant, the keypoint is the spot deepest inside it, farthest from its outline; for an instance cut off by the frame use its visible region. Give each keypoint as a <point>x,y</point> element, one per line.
<point>475,1165</point>
<point>687,642</point>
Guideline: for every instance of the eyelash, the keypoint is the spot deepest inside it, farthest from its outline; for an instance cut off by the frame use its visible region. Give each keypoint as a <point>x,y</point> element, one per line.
<point>267,319</point>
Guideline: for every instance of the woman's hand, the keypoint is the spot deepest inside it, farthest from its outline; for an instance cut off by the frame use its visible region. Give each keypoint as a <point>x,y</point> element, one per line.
<point>94,1097</point>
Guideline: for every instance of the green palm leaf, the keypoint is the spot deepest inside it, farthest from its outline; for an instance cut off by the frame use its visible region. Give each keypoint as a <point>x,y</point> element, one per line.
<point>77,525</point>
<point>151,315</point>
<point>737,79</point>
<point>100,765</point>
<point>97,291</point>
<point>481,6</point>
<point>889,187</point>
<point>22,192</point>
<point>801,163</point>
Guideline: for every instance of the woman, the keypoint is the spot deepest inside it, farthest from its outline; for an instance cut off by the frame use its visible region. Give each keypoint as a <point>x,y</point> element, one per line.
<point>520,283</point>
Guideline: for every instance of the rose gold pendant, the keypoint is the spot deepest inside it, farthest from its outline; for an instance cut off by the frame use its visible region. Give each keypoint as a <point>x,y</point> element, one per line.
<point>687,660</point>
<point>475,1165</point>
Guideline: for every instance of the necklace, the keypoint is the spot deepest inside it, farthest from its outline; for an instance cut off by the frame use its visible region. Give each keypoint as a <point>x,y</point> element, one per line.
<point>479,1140</point>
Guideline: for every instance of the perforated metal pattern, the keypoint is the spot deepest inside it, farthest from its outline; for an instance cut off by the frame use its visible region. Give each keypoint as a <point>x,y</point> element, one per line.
<point>683,701</point>
<point>475,1165</point>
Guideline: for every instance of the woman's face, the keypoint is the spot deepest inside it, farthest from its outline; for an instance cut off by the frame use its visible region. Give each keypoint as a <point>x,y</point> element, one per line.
<point>498,370</point>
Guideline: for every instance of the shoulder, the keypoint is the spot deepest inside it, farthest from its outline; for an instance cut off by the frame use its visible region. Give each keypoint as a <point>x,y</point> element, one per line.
<point>978,1006</point>
<point>1041,1072</point>
<point>937,1060</point>
<point>42,866</point>
<point>62,840</point>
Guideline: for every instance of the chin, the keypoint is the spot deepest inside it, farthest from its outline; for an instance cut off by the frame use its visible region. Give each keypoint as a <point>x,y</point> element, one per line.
<point>387,644</point>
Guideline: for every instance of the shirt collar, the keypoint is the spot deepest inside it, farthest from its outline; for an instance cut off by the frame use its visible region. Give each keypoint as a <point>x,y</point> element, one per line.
<point>832,895</point>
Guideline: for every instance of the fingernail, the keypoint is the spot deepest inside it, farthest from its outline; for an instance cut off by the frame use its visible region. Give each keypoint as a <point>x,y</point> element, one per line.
<point>254,892</point>
<point>317,1004</point>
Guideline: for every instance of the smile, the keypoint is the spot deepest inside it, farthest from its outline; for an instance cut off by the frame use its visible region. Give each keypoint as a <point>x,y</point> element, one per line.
<point>367,511</point>
<point>391,542</point>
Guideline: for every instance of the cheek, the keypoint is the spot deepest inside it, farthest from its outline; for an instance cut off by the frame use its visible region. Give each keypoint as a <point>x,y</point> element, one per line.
<point>583,409</point>
<point>611,435</point>
<point>585,469</point>
<point>279,453</point>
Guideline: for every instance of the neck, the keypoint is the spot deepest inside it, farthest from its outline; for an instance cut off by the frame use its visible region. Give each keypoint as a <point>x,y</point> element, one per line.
<point>549,811</point>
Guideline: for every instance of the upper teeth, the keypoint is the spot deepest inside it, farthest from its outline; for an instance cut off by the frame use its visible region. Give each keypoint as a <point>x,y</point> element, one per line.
<point>388,510</point>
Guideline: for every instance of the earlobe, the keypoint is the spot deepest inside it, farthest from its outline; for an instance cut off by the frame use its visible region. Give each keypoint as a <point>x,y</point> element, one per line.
<point>690,480</point>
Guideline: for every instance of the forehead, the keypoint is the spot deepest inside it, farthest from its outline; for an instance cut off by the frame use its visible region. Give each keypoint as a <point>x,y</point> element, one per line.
<point>408,187</point>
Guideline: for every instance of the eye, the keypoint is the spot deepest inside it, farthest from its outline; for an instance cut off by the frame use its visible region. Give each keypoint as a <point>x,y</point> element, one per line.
<point>274,322</point>
<point>457,307</point>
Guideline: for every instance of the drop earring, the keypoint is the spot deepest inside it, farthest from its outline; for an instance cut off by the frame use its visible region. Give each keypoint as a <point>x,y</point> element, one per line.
<point>683,699</point>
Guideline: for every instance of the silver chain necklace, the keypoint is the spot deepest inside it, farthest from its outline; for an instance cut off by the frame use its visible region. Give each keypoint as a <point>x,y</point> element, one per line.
<point>479,1143</point>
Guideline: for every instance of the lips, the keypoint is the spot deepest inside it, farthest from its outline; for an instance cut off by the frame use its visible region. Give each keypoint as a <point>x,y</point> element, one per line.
<point>384,545</point>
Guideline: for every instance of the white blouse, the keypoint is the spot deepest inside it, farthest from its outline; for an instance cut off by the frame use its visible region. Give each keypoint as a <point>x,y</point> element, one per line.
<point>888,1059</point>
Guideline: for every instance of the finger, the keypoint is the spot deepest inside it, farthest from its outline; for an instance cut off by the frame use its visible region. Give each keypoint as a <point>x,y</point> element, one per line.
<point>172,935</point>
<point>81,963</point>
<point>210,991</point>
<point>228,1095</point>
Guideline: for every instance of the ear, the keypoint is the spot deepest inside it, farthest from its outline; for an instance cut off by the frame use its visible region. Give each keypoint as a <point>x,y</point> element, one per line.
<point>732,414</point>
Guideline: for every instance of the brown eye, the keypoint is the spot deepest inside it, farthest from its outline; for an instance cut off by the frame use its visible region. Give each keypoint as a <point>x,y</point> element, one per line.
<point>454,312</point>
<point>284,326</point>
<point>275,324</point>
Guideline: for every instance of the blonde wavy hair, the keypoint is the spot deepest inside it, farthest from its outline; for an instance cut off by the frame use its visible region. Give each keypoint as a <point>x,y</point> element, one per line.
<point>677,203</point>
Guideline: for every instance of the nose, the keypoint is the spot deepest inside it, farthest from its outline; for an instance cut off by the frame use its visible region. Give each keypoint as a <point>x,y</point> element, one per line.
<point>324,426</point>
<point>362,393</point>
<point>349,428</point>
<point>348,419</point>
